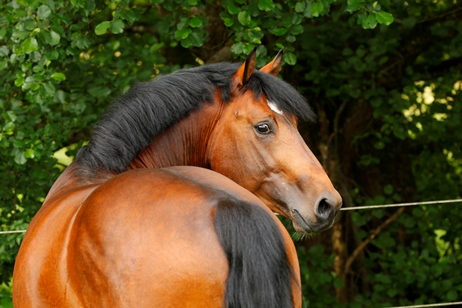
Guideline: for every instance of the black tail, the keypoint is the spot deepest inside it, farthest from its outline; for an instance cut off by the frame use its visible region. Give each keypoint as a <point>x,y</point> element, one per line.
<point>259,270</point>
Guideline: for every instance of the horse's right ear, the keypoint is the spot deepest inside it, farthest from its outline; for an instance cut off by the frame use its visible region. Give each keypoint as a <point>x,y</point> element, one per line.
<point>274,66</point>
<point>243,73</point>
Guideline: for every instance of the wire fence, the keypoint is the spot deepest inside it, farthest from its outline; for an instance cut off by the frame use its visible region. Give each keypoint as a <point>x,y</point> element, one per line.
<point>12,232</point>
<point>381,206</point>
<point>351,208</point>
<point>452,304</point>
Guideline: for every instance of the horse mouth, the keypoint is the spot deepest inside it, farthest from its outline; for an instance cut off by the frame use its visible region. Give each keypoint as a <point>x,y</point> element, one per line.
<point>300,224</point>
<point>303,226</point>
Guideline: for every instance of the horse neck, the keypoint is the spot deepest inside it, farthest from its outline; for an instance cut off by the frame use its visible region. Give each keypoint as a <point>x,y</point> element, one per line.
<point>183,144</point>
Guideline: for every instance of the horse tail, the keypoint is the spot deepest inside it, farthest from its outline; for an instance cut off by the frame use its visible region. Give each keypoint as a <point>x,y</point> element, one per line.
<point>260,274</point>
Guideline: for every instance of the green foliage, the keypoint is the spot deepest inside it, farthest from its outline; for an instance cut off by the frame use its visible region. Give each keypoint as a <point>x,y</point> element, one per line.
<point>52,91</point>
<point>5,295</point>
<point>318,277</point>
<point>388,83</point>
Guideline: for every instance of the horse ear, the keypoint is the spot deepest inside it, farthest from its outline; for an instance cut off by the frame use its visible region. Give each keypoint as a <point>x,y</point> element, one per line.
<point>243,73</point>
<point>274,66</point>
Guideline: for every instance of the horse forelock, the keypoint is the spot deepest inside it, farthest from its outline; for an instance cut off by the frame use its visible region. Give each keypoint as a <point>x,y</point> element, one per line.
<point>150,107</point>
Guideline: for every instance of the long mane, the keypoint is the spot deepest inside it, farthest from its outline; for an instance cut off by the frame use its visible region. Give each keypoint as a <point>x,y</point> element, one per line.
<point>150,107</point>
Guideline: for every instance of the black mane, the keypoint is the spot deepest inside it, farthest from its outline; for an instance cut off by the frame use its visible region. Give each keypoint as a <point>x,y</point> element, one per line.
<point>150,107</point>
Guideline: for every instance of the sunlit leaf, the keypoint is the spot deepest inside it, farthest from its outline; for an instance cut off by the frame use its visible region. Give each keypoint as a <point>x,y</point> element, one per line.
<point>117,26</point>
<point>55,38</point>
<point>384,18</point>
<point>43,12</point>
<point>265,5</point>
<point>244,18</point>
<point>195,22</point>
<point>316,9</point>
<point>29,45</point>
<point>102,27</point>
<point>58,76</point>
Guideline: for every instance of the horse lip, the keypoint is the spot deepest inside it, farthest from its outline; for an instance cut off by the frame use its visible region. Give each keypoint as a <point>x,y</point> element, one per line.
<point>313,228</point>
<point>305,225</point>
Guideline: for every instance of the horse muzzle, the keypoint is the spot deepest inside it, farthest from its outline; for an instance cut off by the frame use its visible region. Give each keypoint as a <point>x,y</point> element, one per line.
<point>320,219</point>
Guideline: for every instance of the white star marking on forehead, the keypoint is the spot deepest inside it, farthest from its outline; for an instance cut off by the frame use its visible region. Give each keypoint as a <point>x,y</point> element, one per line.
<point>274,107</point>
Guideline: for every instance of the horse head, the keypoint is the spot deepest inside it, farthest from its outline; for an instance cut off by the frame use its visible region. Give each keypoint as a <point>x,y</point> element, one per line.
<point>256,143</point>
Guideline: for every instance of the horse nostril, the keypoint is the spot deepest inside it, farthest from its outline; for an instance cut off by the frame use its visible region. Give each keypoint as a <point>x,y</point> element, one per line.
<point>324,209</point>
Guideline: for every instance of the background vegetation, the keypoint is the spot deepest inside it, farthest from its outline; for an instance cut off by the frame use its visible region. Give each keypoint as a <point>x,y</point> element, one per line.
<point>383,76</point>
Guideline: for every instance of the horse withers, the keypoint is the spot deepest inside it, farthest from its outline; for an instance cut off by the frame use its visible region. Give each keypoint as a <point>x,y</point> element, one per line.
<point>119,218</point>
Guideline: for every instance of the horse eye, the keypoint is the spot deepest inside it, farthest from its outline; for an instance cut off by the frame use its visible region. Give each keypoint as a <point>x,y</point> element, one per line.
<point>263,129</point>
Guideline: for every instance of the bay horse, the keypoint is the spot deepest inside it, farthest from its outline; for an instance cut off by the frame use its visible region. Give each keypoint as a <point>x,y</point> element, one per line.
<point>137,220</point>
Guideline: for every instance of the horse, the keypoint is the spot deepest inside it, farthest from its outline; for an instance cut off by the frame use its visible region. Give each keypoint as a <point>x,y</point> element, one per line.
<point>172,201</point>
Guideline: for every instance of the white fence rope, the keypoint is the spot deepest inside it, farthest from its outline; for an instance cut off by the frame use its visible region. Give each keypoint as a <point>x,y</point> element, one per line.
<point>381,206</point>
<point>12,232</point>
<point>352,208</point>
<point>431,305</point>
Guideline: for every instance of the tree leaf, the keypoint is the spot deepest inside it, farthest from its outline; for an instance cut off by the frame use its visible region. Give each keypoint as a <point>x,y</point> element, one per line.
<point>117,26</point>
<point>232,9</point>
<point>43,12</point>
<point>316,9</point>
<point>238,48</point>
<point>265,5</point>
<point>2,33</point>
<point>29,153</point>
<point>19,158</point>
<point>182,34</point>
<point>55,38</point>
<point>228,22</point>
<point>128,15</point>
<point>451,295</point>
<point>300,7</point>
<point>290,58</point>
<point>195,22</point>
<point>384,18</point>
<point>354,5</point>
<point>19,81</point>
<point>58,76</point>
<point>244,18</point>
<point>102,27</point>
<point>4,51</point>
<point>49,88</point>
<point>29,45</point>
<point>10,115</point>
<point>369,22</point>
<point>3,64</point>
<point>278,31</point>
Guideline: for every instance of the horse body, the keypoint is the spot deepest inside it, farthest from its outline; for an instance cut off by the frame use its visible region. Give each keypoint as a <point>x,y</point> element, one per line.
<point>130,229</point>
<point>122,227</point>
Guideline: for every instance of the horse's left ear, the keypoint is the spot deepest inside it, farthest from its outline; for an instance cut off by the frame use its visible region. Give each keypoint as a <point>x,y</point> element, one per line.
<point>274,66</point>
<point>243,73</point>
